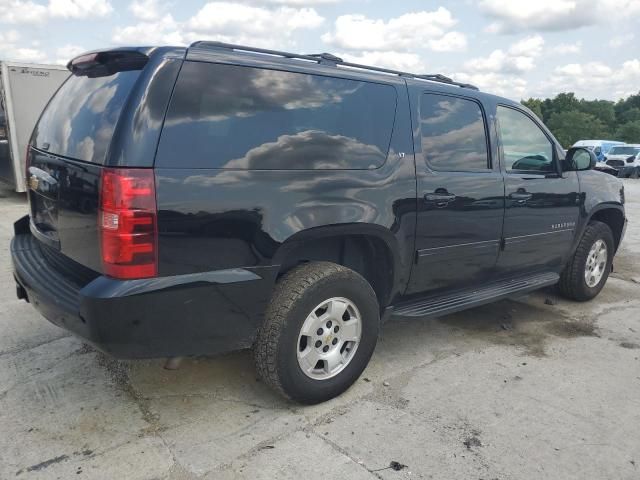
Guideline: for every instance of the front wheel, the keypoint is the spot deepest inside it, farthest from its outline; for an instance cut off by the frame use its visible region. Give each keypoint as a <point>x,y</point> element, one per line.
<point>588,270</point>
<point>319,332</point>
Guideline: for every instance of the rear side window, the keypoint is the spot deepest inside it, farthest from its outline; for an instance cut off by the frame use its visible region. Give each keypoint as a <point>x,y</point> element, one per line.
<point>79,120</point>
<point>226,116</point>
<point>453,133</point>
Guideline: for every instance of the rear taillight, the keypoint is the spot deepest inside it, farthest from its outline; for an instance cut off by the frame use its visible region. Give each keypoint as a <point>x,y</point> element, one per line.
<point>127,221</point>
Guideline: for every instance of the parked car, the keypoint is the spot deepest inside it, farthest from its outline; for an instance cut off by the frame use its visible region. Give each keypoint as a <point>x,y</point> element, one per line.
<point>599,147</point>
<point>196,201</point>
<point>622,161</point>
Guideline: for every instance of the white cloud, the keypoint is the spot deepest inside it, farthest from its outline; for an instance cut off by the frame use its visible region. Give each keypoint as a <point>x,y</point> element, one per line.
<point>594,80</point>
<point>408,62</point>
<point>566,48</point>
<point>67,52</point>
<point>519,58</point>
<point>223,21</point>
<point>300,3</point>
<point>554,15</point>
<point>496,83</point>
<point>164,31</point>
<point>11,50</point>
<point>228,18</point>
<point>79,8</point>
<point>501,72</point>
<point>621,40</point>
<point>423,29</point>
<point>17,11</point>
<point>29,12</point>
<point>147,10</point>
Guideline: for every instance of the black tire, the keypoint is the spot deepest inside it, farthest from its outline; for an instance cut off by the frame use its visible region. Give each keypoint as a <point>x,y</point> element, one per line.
<point>572,281</point>
<point>636,173</point>
<point>296,294</point>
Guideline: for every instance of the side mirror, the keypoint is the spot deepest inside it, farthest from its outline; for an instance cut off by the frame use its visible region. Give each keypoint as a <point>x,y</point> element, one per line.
<point>580,158</point>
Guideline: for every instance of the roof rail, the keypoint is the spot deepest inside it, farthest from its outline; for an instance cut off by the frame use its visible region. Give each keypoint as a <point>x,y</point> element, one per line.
<point>331,60</point>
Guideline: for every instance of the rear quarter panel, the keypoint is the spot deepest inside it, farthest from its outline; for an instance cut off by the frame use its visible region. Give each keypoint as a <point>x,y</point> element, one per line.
<point>212,219</point>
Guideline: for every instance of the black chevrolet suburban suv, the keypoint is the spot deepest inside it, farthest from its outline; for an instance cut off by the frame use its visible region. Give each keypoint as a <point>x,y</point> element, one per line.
<point>190,201</point>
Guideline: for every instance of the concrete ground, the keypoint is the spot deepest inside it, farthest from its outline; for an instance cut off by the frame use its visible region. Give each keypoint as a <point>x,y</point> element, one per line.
<point>535,388</point>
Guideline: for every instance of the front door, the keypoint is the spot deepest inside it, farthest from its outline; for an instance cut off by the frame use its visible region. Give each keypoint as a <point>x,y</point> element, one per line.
<point>460,194</point>
<point>542,203</point>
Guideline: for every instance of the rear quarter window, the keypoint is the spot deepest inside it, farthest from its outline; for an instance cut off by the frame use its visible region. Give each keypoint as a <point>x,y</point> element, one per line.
<point>233,117</point>
<point>80,119</point>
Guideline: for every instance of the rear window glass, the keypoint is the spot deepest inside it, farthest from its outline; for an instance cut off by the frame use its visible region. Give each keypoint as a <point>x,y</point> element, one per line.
<point>79,120</point>
<point>224,116</point>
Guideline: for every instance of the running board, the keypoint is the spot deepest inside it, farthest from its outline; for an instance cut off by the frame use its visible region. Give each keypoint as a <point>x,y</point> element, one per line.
<point>438,305</point>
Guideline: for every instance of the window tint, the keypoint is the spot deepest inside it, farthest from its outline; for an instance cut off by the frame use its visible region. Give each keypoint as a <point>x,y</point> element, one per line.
<point>226,116</point>
<point>79,120</point>
<point>453,133</point>
<point>525,146</point>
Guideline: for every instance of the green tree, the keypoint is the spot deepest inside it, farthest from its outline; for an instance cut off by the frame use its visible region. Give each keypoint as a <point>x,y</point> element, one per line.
<point>629,132</point>
<point>629,115</point>
<point>535,105</point>
<point>572,125</point>
<point>632,101</point>
<point>603,110</point>
<point>564,102</point>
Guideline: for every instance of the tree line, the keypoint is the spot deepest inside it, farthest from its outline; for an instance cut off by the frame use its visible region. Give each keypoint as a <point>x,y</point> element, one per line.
<point>571,119</point>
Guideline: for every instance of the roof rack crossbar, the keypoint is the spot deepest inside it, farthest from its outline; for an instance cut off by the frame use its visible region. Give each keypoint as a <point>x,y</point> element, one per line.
<point>331,60</point>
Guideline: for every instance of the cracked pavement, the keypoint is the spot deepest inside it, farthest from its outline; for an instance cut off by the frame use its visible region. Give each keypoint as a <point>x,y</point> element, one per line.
<point>533,388</point>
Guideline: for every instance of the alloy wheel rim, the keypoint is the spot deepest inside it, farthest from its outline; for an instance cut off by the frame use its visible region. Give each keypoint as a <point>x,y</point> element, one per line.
<point>596,263</point>
<point>329,338</point>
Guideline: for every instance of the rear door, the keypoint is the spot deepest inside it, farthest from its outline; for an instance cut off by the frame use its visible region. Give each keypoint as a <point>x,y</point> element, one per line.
<point>460,194</point>
<point>542,203</point>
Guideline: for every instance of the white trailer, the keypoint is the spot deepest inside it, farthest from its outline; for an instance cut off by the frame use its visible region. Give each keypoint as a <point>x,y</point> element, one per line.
<point>25,89</point>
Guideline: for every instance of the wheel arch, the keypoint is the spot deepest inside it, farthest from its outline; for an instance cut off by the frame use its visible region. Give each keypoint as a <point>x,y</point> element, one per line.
<point>370,250</point>
<point>611,214</point>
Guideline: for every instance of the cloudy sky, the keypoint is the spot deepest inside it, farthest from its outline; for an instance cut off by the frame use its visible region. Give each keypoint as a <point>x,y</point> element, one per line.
<point>517,48</point>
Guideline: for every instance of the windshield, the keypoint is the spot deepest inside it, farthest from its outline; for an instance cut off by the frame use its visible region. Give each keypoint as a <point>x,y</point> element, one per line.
<point>624,150</point>
<point>80,119</point>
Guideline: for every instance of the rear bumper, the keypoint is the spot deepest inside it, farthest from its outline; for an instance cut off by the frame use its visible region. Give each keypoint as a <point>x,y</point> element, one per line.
<point>195,314</point>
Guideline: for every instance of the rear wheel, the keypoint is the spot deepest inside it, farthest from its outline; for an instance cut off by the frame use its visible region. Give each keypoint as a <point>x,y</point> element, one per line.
<point>319,333</point>
<point>635,173</point>
<point>588,270</point>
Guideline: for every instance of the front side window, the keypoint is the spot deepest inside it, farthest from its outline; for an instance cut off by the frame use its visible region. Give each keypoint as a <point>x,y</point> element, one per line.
<point>525,146</point>
<point>236,117</point>
<point>453,133</point>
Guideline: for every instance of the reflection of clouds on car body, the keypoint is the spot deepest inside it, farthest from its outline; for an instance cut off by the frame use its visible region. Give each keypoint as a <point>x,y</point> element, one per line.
<point>84,122</point>
<point>263,90</point>
<point>318,149</point>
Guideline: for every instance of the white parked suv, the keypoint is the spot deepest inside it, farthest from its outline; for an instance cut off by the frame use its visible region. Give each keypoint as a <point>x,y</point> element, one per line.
<point>622,161</point>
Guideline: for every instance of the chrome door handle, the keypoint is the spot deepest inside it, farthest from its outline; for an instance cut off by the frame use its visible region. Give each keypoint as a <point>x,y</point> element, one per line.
<point>521,197</point>
<point>440,199</point>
